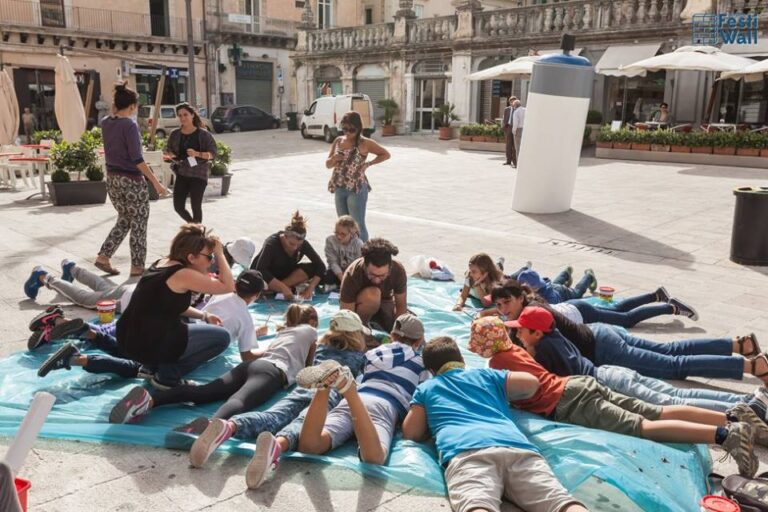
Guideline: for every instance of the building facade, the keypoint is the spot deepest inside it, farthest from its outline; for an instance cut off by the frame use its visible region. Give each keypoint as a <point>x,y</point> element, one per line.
<point>424,63</point>
<point>106,41</point>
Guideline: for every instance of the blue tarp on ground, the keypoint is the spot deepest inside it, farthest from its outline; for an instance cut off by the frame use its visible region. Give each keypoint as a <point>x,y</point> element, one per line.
<point>607,471</point>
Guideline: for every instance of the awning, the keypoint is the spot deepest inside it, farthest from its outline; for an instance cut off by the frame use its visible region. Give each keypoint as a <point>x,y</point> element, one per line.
<point>759,49</point>
<point>617,56</point>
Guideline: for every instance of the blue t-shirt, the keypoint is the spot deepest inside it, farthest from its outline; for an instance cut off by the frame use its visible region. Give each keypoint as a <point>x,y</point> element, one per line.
<point>561,357</point>
<point>469,410</point>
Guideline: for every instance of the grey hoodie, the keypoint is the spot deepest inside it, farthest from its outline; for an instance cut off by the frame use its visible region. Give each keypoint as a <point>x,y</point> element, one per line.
<point>340,256</point>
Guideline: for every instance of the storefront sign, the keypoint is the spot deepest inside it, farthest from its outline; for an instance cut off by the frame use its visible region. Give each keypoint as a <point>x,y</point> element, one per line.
<point>239,18</point>
<point>714,29</point>
<point>169,72</point>
<point>253,70</point>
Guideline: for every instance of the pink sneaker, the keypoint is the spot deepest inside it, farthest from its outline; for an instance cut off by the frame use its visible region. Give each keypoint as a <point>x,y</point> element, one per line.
<point>131,409</point>
<point>217,432</point>
<point>264,462</point>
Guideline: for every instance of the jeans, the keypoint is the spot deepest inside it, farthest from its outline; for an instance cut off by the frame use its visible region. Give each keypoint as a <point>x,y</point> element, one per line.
<point>654,391</point>
<point>98,288</point>
<point>515,275</point>
<point>113,361</point>
<point>288,414</point>
<point>578,290</point>
<point>562,277</point>
<point>351,203</point>
<point>203,344</point>
<point>625,313</point>
<point>675,360</point>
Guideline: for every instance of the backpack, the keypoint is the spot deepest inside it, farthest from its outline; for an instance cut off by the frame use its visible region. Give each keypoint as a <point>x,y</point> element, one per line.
<point>750,493</point>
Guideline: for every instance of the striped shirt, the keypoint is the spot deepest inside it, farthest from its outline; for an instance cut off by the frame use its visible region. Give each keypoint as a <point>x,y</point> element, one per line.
<point>392,372</point>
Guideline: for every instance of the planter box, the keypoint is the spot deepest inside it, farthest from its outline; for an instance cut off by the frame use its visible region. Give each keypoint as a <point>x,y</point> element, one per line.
<point>388,130</point>
<point>604,144</point>
<point>680,149</point>
<point>764,152</point>
<point>476,145</point>
<point>218,185</point>
<point>661,148</point>
<point>622,145</point>
<point>641,147</point>
<point>702,150</point>
<point>77,192</point>
<point>724,151</point>
<point>466,138</point>
<point>446,133</point>
<point>683,158</point>
<point>747,152</point>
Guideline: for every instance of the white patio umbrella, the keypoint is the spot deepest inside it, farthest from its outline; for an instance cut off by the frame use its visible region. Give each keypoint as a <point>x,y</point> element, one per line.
<point>691,58</point>
<point>521,67</point>
<point>70,113</point>
<point>9,110</point>
<point>751,73</point>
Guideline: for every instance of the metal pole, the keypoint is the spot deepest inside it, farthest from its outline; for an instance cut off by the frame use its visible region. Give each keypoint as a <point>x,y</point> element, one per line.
<point>192,95</point>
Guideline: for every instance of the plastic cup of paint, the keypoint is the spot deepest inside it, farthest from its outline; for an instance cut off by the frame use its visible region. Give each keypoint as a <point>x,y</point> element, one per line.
<point>606,293</point>
<point>106,310</point>
<point>712,503</point>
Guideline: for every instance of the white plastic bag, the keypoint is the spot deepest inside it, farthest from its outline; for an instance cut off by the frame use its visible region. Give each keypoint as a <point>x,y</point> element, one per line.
<point>430,268</point>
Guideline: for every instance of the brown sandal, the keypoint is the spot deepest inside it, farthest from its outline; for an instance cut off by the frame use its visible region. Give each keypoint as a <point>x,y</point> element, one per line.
<point>106,267</point>
<point>753,363</point>
<point>137,271</point>
<point>755,345</point>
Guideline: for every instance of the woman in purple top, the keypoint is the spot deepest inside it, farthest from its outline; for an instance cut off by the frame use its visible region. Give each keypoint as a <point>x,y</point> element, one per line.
<point>127,176</point>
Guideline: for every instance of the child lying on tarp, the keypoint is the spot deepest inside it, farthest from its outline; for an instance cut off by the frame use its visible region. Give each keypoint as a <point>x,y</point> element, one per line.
<point>581,400</point>
<point>485,456</point>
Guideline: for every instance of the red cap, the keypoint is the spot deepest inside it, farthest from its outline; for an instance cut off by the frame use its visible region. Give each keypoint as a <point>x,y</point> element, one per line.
<point>534,318</point>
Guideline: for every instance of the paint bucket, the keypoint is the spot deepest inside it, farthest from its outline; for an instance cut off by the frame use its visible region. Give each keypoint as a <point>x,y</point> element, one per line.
<point>22,491</point>
<point>714,503</point>
<point>606,293</point>
<point>106,309</point>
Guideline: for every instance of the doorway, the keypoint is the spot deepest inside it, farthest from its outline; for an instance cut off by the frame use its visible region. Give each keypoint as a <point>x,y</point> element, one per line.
<point>430,94</point>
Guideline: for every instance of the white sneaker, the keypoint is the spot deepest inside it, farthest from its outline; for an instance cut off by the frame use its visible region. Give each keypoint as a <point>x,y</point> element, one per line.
<point>264,462</point>
<point>211,438</point>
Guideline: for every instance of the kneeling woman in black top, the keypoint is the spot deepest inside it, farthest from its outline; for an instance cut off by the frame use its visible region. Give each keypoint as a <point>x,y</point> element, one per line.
<point>280,257</point>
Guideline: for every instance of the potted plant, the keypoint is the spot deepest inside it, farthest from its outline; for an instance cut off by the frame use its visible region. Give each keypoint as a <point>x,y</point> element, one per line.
<point>489,133</point>
<point>465,132</point>
<point>605,137</point>
<point>622,139</point>
<point>478,133</point>
<point>660,140</point>
<point>748,144</point>
<point>498,132</point>
<point>76,159</point>
<point>390,111</point>
<point>700,142</point>
<point>724,143</point>
<point>678,142</point>
<point>220,179</point>
<point>54,135</point>
<point>641,140</point>
<point>761,141</point>
<point>444,116</point>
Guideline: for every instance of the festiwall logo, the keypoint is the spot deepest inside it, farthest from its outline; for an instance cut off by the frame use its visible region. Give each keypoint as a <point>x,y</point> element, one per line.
<point>715,29</point>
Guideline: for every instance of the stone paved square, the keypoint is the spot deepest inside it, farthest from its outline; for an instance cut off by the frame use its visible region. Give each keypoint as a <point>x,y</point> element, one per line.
<point>637,225</point>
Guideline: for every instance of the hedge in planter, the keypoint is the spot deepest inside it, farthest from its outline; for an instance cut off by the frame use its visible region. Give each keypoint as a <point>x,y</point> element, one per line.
<point>76,158</point>
<point>700,142</point>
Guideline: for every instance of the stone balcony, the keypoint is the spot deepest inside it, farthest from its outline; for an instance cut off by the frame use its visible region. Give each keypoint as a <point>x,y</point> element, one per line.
<point>594,20</point>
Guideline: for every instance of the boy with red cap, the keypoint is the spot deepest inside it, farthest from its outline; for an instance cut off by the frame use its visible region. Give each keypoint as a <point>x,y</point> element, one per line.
<point>581,400</point>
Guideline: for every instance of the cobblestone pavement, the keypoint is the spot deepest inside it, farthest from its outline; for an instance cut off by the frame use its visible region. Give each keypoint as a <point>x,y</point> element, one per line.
<point>638,226</point>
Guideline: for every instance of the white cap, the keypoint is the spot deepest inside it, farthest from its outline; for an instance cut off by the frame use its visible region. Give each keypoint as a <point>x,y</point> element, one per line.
<point>242,251</point>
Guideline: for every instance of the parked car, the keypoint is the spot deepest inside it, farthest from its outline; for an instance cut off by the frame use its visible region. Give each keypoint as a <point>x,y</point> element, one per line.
<point>323,117</point>
<point>237,118</point>
<point>166,121</point>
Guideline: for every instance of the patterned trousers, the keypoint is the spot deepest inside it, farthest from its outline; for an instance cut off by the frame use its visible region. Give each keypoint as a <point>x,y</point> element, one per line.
<point>131,200</point>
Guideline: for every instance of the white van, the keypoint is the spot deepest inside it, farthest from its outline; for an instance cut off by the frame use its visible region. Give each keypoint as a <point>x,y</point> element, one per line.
<point>323,117</point>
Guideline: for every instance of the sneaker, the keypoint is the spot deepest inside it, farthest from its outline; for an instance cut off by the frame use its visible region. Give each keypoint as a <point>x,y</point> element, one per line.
<point>593,284</point>
<point>745,414</point>
<point>683,309</point>
<point>165,386</point>
<point>131,409</point>
<point>66,270</point>
<point>569,282</point>
<point>33,284</point>
<point>740,445</point>
<point>662,295</point>
<point>217,432</point>
<point>75,328</point>
<point>38,338</point>
<point>48,316</point>
<point>196,427</point>
<point>500,263</point>
<point>761,394</point>
<point>264,462</point>
<point>314,376</point>
<point>60,359</point>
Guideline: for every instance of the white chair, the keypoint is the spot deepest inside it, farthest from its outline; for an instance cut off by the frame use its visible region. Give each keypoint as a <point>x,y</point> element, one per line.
<point>154,159</point>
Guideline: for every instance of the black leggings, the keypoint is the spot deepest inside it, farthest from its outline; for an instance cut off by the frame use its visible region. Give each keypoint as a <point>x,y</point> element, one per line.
<point>244,387</point>
<point>194,188</point>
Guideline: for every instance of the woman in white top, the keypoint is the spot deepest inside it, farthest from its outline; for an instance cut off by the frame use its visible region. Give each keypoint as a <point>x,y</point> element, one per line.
<point>246,386</point>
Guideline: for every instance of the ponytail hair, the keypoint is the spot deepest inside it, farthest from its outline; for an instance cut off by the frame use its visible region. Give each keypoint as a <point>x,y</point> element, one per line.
<point>299,314</point>
<point>124,96</point>
<point>298,224</point>
<point>196,121</point>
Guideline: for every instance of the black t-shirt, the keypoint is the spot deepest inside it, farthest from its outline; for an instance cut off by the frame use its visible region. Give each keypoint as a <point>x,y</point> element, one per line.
<point>274,263</point>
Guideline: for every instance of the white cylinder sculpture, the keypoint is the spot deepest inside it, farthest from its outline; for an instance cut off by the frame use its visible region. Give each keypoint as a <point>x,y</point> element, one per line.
<point>555,117</point>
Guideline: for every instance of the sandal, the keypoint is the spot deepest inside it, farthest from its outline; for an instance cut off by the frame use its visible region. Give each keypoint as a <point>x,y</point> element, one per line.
<point>137,271</point>
<point>755,346</point>
<point>106,267</point>
<point>313,377</point>
<point>753,367</point>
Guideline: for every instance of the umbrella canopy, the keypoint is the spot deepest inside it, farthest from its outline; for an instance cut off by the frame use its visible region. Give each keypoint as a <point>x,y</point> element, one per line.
<point>70,113</point>
<point>751,73</point>
<point>9,110</point>
<point>691,58</point>
<point>521,67</point>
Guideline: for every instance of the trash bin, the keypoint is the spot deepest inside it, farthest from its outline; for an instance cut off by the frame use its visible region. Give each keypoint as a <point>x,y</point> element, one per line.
<point>293,121</point>
<point>749,240</point>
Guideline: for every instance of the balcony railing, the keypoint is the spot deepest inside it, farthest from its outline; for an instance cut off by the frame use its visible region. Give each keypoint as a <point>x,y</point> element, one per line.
<point>432,29</point>
<point>258,25</point>
<point>365,37</point>
<point>96,21</point>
